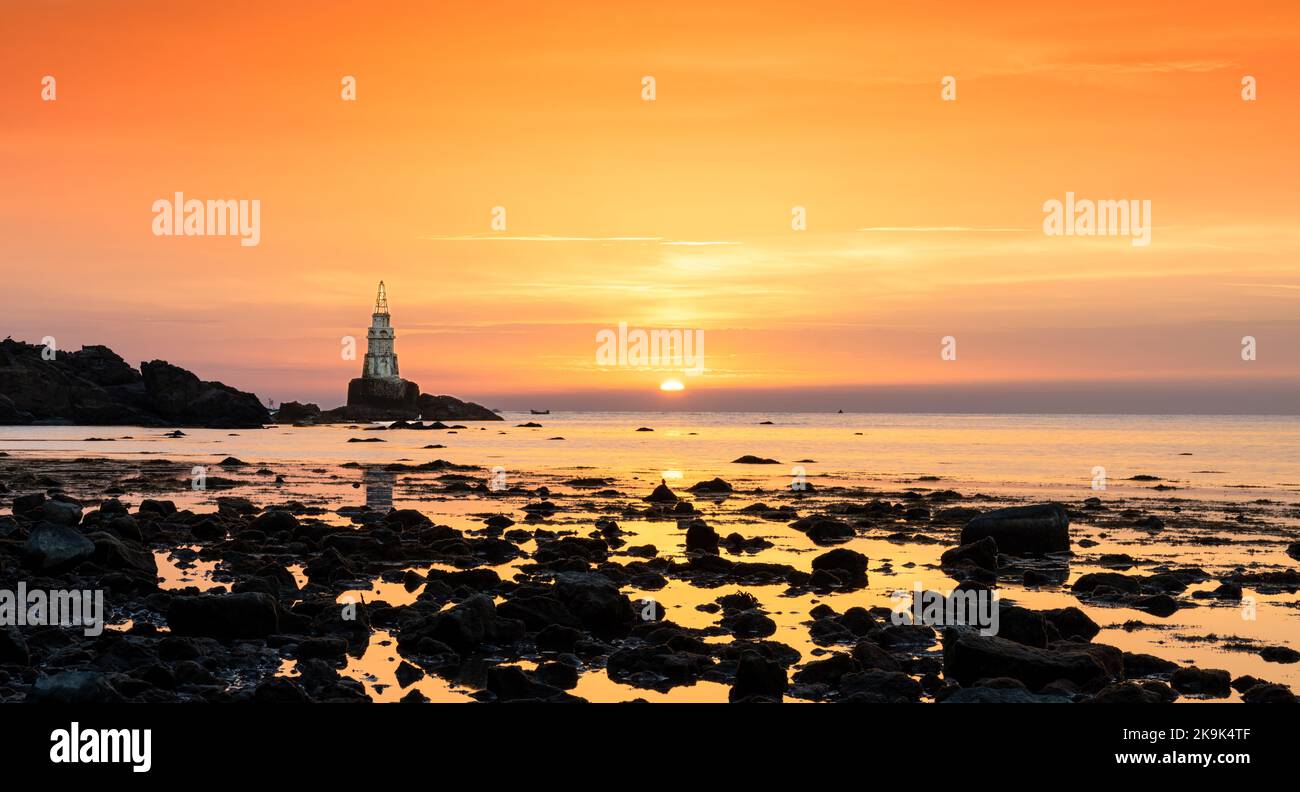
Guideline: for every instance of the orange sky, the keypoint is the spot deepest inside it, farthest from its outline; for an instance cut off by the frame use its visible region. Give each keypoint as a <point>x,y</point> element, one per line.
<point>761,106</point>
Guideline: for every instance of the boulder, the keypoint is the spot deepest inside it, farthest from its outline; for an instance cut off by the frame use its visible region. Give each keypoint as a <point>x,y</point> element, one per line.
<point>982,553</point>
<point>1210,682</point>
<point>465,627</point>
<point>712,487</point>
<point>224,616</point>
<point>661,494</point>
<point>449,408</point>
<point>596,602</point>
<point>758,676</point>
<point>969,657</point>
<point>53,548</point>
<point>74,687</point>
<point>61,511</point>
<point>1022,530</point>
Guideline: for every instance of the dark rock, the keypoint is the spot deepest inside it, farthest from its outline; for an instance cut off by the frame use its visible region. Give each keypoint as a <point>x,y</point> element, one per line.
<point>1208,682</point>
<point>449,408</point>
<point>969,657</point>
<point>823,530</point>
<point>596,602</point>
<point>757,675</point>
<point>701,536</point>
<point>879,687</point>
<point>1020,530</point>
<point>983,553</point>
<point>1142,665</point>
<point>61,512</point>
<point>1157,605</point>
<point>76,688</point>
<point>181,398</point>
<point>224,616</point>
<point>1129,693</point>
<point>1279,654</point>
<point>1268,693</point>
<point>557,675</point>
<point>712,486</point>
<point>55,548</point>
<point>828,671</point>
<point>661,494</point>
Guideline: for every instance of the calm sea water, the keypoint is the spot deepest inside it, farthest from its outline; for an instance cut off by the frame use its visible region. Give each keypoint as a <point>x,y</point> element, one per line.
<point>1231,457</point>
<point>1211,462</point>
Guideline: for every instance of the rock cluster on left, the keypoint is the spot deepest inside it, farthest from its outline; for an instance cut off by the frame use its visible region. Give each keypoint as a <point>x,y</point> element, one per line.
<point>95,386</point>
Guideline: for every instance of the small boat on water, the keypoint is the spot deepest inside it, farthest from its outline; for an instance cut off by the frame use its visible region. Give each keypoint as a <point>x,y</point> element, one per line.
<point>540,412</point>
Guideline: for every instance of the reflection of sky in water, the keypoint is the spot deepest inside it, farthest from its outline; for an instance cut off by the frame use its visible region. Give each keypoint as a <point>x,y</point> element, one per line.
<point>379,489</point>
<point>1216,463</point>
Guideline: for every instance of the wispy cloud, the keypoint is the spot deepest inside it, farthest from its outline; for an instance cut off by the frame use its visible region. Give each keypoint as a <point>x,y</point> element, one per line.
<point>552,238</point>
<point>933,229</point>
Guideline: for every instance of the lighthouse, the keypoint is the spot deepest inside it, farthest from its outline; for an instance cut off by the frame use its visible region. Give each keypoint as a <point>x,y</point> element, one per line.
<point>381,360</point>
<point>380,393</point>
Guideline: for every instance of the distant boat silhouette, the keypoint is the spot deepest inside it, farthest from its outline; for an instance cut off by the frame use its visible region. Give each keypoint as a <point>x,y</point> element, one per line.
<point>540,412</point>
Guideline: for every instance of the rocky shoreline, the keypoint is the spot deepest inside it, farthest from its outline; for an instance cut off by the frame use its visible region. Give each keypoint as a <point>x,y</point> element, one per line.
<point>96,387</point>
<point>548,589</point>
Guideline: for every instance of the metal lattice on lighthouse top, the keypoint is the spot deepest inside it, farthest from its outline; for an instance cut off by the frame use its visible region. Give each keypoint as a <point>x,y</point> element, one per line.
<point>381,300</point>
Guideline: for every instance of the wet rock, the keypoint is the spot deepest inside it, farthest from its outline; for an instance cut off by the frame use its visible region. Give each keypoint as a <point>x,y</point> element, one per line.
<point>1157,605</point>
<point>74,687</point>
<point>823,530</point>
<point>969,657</point>
<point>712,486</point>
<point>758,676</point>
<point>280,690</point>
<point>1095,580</point>
<point>464,627</point>
<point>112,552</point>
<point>870,655</point>
<point>323,648</point>
<point>1269,693</point>
<point>657,666</point>
<point>828,671</point>
<point>61,512</point>
<point>736,543</point>
<point>1070,622</point>
<point>558,638</point>
<point>983,553</point>
<point>158,508</point>
<point>701,537</point>
<point>1279,654</point>
<point>557,675</point>
<point>750,459</point>
<point>1142,665</point>
<point>224,616</point>
<point>55,548</point>
<point>879,687</point>
<point>1020,530</point>
<point>595,602</point>
<point>13,648</point>
<point>848,565</point>
<point>751,623</point>
<point>1133,693</point>
<point>1206,682</point>
<point>661,494</point>
<point>990,695</point>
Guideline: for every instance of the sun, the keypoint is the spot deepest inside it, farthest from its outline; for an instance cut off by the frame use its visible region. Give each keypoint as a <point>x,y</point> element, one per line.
<point>671,385</point>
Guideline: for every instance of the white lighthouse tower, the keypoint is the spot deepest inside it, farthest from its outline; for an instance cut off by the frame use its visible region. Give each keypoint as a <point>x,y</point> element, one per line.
<point>381,360</point>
